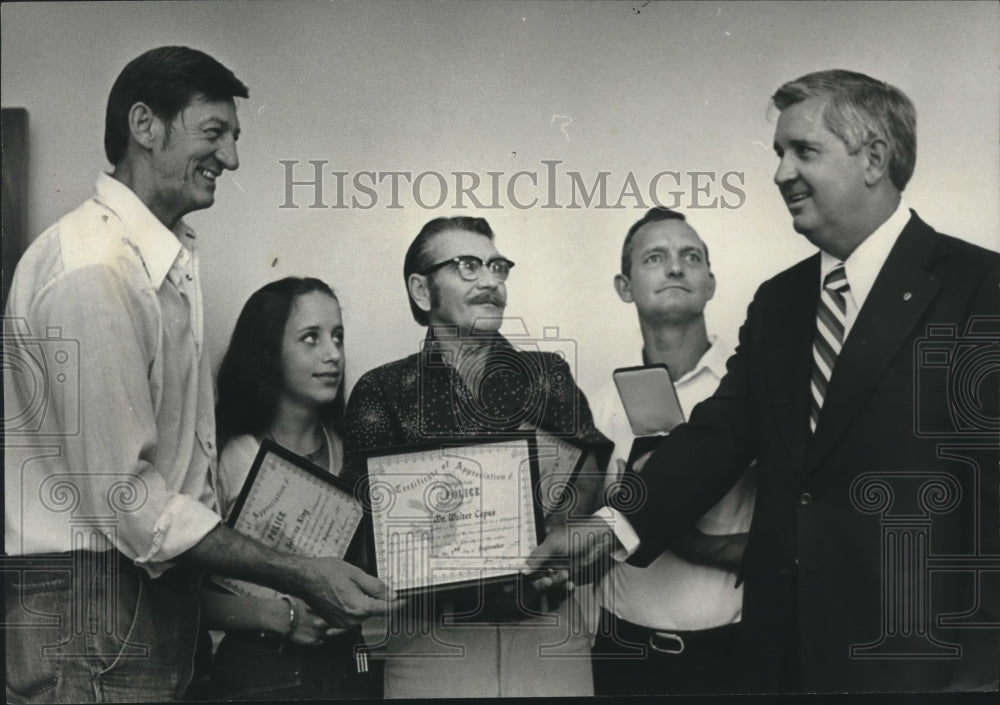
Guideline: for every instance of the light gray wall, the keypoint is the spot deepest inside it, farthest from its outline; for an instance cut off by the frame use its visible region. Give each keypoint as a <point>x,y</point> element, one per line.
<point>617,87</point>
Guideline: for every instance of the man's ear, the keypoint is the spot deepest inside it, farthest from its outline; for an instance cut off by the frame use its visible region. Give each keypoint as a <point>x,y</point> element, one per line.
<point>877,152</point>
<point>420,292</point>
<point>624,288</point>
<point>711,285</point>
<point>146,129</point>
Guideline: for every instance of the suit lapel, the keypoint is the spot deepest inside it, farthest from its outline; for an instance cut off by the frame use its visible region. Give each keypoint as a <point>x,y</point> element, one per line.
<point>901,293</point>
<point>790,332</point>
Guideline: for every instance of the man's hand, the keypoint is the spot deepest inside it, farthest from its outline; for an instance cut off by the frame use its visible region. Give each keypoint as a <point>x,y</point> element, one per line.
<point>550,579</point>
<point>581,548</point>
<point>343,594</point>
<point>340,593</point>
<point>525,597</point>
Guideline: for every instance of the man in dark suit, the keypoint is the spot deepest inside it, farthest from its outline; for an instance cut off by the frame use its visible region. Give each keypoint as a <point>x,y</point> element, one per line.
<point>870,405</point>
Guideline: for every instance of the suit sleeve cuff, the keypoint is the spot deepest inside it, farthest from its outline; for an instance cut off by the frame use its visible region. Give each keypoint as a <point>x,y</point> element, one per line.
<point>623,531</point>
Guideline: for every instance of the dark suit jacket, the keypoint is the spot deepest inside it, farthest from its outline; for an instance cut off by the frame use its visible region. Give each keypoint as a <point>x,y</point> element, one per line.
<point>859,528</point>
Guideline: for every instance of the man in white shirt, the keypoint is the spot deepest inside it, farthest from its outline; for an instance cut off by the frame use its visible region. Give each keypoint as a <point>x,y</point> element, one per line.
<point>109,453</point>
<point>873,457</point>
<point>672,627</point>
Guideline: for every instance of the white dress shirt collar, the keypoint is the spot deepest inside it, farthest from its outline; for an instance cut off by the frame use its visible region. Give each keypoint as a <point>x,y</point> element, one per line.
<point>864,264</point>
<point>158,246</point>
<point>714,360</point>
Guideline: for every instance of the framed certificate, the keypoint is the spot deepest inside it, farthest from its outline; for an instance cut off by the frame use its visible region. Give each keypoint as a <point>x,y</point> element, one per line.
<point>293,506</point>
<point>451,514</point>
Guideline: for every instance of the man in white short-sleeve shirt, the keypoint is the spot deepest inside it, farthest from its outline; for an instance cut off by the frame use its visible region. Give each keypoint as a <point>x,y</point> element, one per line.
<point>672,627</point>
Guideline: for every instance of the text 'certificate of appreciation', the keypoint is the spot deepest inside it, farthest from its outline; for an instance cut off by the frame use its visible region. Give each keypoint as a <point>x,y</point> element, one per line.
<point>294,507</point>
<point>454,513</point>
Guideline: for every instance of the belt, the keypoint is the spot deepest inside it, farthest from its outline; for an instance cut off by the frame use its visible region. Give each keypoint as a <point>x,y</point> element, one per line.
<point>348,644</point>
<point>99,560</point>
<point>345,640</point>
<point>670,642</point>
<point>63,559</point>
<point>93,562</point>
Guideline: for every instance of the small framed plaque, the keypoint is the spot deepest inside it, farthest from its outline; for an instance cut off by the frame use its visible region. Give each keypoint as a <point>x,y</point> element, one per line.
<point>292,506</point>
<point>447,515</point>
<point>649,398</point>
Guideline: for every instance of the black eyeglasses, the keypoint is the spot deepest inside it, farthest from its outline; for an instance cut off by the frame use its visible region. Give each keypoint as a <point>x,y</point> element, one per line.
<point>470,267</point>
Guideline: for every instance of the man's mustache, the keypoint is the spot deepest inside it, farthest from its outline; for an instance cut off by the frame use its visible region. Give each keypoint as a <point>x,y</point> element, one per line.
<point>488,297</point>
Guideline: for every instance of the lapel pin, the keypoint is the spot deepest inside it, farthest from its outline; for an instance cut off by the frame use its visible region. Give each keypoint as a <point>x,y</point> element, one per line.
<point>907,296</point>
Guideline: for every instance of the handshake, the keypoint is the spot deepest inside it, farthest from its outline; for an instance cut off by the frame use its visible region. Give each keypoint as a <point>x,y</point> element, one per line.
<point>583,550</point>
<point>577,552</point>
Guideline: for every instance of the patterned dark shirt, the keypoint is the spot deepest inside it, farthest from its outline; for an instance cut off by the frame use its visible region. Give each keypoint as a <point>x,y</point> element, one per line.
<point>422,398</point>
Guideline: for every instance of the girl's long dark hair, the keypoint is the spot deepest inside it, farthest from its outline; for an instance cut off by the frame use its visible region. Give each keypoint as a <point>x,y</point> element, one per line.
<point>250,376</point>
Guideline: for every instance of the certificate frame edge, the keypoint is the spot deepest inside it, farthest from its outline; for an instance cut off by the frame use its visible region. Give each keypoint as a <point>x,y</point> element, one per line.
<point>268,446</point>
<point>457,442</point>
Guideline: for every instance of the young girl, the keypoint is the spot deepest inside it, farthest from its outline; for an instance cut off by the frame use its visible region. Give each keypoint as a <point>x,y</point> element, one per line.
<point>282,379</point>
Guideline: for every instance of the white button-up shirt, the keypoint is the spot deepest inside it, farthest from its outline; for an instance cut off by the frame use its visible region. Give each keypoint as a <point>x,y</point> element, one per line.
<point>864,264</point>
<point>108,401</point>
<point>672,594</point>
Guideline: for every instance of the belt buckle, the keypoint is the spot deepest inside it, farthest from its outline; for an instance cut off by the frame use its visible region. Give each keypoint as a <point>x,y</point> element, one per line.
<point>667,635</point>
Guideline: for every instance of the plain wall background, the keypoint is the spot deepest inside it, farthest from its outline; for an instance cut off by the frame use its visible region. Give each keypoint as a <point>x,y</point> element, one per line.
<point>448,86</point>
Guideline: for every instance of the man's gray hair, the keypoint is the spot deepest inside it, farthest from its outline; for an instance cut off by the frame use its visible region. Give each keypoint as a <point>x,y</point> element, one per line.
<point>860,109</point>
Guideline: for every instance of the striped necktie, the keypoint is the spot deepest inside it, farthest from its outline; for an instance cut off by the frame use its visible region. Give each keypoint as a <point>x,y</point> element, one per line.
<point>831,315</point>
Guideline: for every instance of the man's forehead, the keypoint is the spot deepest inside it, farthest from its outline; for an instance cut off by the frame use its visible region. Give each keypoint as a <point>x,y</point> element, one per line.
<point>802,119</point>
<point>202,109</point>
<point>667,233</point>
<point>452,243</point>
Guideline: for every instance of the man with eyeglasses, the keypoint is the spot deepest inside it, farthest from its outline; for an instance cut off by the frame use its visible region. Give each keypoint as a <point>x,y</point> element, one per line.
<point>468,381</point>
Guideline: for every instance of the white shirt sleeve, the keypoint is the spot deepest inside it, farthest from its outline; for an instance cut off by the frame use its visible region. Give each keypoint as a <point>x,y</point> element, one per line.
<point>623,531</point>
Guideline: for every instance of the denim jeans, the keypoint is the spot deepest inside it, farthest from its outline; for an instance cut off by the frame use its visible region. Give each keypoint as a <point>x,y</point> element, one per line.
<point>92,627</point>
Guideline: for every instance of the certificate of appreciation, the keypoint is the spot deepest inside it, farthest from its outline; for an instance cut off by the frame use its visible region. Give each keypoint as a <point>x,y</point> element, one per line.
<point>452,513</point>
<point>295,507</point>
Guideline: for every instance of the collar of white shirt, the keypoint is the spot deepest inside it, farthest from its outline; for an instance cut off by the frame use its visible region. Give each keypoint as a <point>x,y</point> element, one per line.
<point>158,246</point>
<point>864,264</point>
<point>714,360</point>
